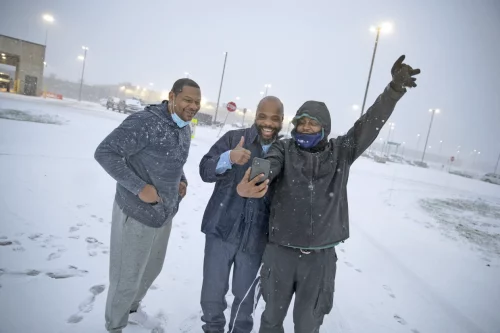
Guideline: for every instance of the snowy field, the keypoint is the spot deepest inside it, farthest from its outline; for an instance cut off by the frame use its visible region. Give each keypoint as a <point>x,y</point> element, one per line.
<point>424,252</point>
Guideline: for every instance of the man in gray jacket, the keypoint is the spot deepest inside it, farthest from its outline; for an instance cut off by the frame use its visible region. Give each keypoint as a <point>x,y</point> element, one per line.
<point>309,214</point>
<point>145,155</point>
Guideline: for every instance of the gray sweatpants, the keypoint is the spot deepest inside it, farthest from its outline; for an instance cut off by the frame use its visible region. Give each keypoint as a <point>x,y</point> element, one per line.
<point>137,253</point>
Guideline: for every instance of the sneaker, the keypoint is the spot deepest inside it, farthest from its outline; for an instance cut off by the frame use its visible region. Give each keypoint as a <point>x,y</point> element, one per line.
<point>140,317</point>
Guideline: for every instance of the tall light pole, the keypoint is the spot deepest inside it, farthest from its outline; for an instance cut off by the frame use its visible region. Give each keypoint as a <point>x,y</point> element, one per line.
<point>496,166</point>
<point>385,27</point>
<point>403,150</point>
<point>418,140</point>
<point>267,86</point>
<point>49,19</point>
<point>440,146</point>
<point>391,128</point>
<point>84,58</point>
<point>433,112</point>
<point>220,88</point>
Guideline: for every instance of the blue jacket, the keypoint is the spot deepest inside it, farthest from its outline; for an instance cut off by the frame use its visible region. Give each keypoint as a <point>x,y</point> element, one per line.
<point>234,219</point>
<point>147,148</point>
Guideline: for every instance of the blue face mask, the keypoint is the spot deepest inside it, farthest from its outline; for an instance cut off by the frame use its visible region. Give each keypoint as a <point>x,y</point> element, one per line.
<point>308,140</point>
<point>181,123</point>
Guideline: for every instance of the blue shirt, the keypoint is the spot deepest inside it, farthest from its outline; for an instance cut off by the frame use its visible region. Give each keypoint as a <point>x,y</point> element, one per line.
<point>225,164</point>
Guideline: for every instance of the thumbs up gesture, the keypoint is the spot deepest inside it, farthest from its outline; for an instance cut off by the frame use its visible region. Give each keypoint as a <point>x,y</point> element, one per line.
<point>240,155</point>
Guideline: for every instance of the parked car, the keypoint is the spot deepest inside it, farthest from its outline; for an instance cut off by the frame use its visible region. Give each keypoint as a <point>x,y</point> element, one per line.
<point>103,101</point>
<point>461,173</point>
<point>421,164</point>
<point>112,103</point>
<point>493,178</point>
<point>130,106</point>
<point>5,81</point>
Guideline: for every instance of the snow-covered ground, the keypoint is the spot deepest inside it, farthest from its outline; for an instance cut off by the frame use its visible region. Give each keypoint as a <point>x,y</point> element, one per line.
<point>424,252</point>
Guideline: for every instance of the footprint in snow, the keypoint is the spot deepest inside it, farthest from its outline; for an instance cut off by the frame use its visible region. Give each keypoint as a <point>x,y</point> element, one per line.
<point>400,320</point>
<point>73,229</point>
<point>53,256</point>
<point>352,266</point>
<point>189,323</point>
<point>35,236</point>
<point>184,235</point>
<point>389,290</point>
<point>415,331</point>
<point>74,236</point>
<point>5,243</point>
<point>342,250</point>
<point>72,271</point>
<point>81,206</point>
<point>153,287</point>
<point>80,224</point>
<point>94,245</point>
<point>74,319</point>
<point>4,237</point>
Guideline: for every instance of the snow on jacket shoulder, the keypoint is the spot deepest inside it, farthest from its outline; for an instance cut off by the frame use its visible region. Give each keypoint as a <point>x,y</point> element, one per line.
<point>147,148</point>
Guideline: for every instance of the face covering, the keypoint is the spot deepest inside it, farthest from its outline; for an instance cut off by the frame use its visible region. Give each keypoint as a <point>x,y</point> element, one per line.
<point>181,123</point>
<point>308,140</point>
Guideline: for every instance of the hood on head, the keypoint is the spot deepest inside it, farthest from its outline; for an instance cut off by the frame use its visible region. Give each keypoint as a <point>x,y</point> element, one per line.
<point>317,110</point>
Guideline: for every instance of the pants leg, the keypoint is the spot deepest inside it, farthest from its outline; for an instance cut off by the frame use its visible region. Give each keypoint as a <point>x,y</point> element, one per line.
<point>155,262</point>
<point>130,248</point>
<point>278,285</point>
<point>314,290</point>
<point>245,270</point>
<point>219,257</point>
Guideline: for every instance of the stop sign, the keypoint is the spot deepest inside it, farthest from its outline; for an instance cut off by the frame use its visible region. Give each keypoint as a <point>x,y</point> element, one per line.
<point>231,106</point>
<point>452,158</point>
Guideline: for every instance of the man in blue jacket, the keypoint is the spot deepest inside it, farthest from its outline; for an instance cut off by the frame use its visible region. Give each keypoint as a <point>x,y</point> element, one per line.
<point>235,227</point>
<point>145,155</point>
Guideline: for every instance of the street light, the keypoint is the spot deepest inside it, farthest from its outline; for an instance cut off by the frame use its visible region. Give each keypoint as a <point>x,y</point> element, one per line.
<point>84,59</point>
<point>433,112</point>
<point>49,19</point>
<point>391,128</point>
<point>187,74</point>
<point>267,86</point>
<point>386,28</point>
<point>220,88</point>
<point>355,107</point>
<point>237,98</point>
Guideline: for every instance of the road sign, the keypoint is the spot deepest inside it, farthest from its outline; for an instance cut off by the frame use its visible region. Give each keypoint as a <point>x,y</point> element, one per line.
<point>452,158</point>
<point>231,106</point>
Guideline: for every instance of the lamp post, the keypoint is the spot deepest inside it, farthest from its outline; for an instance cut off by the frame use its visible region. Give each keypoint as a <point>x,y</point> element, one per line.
<point>391,128</point>
<point>220,88</point>
<point>496,166</point>
<point>433,112</point>
<point>49,19</point>
<point>385,27</point>
<point>84,58</point>
<point>267,86</point>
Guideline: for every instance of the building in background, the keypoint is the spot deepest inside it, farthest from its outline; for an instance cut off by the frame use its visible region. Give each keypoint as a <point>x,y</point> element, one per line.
<point>27,61</point>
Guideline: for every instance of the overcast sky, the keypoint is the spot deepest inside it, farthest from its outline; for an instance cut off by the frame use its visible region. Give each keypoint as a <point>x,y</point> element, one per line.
<point>306,49</point>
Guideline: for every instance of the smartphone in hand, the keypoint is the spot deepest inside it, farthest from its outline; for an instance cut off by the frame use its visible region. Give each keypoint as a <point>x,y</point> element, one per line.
<point>260,166</point>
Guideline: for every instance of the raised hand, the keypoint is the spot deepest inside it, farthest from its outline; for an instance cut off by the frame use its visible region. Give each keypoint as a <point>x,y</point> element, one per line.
<point>402,75</point>
<point>249,188</point>
<point>240,155</point>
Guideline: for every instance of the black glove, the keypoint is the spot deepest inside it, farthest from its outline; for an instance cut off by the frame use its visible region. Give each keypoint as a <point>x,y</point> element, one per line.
<point>402,75</point>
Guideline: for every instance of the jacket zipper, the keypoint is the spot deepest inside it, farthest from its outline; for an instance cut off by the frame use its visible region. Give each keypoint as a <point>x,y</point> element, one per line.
<point>311,189</point>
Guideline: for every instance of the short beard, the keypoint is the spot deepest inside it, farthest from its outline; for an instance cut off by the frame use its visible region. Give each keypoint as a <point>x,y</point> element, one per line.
<point>271,140</point>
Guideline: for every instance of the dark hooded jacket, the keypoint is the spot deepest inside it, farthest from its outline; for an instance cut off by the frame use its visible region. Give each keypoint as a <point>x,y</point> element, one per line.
<point>309,186</point>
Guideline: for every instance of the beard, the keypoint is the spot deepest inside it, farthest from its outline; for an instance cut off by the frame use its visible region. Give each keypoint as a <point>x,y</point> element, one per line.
<point>272,137</point>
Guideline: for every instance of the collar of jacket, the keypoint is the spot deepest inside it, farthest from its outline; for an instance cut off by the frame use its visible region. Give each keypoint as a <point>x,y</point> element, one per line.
<point>161,111</point>
<point>253,134</point>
